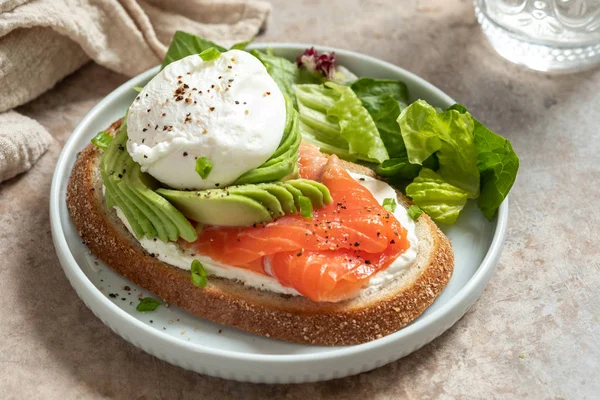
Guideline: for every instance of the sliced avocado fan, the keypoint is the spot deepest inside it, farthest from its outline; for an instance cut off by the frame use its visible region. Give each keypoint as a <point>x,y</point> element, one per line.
<point>127,187</point>
<point>244,205</point>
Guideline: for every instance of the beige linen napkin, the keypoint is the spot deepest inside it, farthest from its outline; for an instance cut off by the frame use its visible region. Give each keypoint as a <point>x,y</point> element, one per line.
<point>42,41</point>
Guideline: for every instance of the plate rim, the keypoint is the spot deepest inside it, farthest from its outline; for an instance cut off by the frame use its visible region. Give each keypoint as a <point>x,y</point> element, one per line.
<point>62,171</point>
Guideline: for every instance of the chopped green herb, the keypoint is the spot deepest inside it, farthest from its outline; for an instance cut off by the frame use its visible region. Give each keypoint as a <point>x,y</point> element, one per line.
<point>198,274</point>
<point>137,88</point>
<point>414,212</point>
<point>389,204</point>
<point>203,167</point>
<point>522,356</point>
<point>148,304</point>
<point>210,54</point>
<point>305,206</point>
<point>102,140</point>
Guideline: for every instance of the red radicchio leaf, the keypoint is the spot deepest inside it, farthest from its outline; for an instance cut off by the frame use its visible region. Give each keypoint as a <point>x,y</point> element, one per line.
<point>323,62</point>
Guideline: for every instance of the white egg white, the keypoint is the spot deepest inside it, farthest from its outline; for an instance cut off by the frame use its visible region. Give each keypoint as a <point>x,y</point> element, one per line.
<point>228,110</point>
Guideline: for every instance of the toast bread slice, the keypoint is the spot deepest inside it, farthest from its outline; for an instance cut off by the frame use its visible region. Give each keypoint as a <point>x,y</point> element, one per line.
<point>291,318</point>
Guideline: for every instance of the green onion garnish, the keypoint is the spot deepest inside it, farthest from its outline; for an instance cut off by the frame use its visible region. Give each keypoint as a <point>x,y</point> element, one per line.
<point>102,140</point>
<point>414,212</point>
<point>389,204</point>
<point>198,274</point>
<point>203,167</point>
<point>148,304</point>
<point>137,88</point>
<point>210,54</point>
<point>305,206</point>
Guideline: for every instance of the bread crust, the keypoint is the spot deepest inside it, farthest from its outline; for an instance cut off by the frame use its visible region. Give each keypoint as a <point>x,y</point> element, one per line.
<point>285,317</point>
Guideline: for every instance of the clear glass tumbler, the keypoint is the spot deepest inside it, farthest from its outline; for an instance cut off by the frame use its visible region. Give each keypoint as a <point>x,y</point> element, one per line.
<point>548,35</point>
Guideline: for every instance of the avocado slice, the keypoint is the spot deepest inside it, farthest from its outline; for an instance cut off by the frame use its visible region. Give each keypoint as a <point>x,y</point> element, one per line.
<point>129,198</point>
<point>295,174</point>
<point>115,196</point>
<point>118,198</point>
<point>215,207</point>
<point>165,228</point>
<point>110,202</point>
<point>268,174</point>
<point>263,196</point>
<point>170,219</point>
<point>294,191</point>
<point>310,191</point>
<point>323,189</point>
<point>285,198</point>
<point>127,187</point>
<point>147,208</point>
<point>245,205</point>
<point>140,210</point>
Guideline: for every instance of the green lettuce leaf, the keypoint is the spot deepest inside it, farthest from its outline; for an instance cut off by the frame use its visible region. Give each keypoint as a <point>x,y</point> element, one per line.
<point>241,45</point>
<point>281,70</point>
<point>333,114</point>
<point>441,200</point>
<point>448,134</point>
<point>340,148</point>
<point>366,88</point>
<point>458,107</point>
<point>305,76</point>
<point>400,168</point>
<point>185,44</point>
<point>357,126</point>
<point>315,126</point>
<point>498,165</point>
<point>418,124</point>
<point>384,99</point>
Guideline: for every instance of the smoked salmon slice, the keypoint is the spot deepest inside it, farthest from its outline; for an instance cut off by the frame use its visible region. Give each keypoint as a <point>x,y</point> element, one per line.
<point>311,161</point>
<point>327,258</point>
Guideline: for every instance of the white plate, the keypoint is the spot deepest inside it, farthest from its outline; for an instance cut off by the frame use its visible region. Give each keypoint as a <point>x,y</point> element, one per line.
<point>182,339</point>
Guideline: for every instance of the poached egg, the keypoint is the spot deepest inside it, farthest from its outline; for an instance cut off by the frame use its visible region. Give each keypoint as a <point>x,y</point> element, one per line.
<point>228,110</point>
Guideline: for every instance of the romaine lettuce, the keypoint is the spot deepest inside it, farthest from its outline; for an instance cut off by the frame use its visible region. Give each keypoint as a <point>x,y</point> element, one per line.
<point>337,118</point>
<point>384,99</point>
<point>449,135</point>
<point>441,200</point>
<point>366,88</point>
<point>497,163</point>
<point>305,76</point>
<point>401,168</point>
<point>357,125</point>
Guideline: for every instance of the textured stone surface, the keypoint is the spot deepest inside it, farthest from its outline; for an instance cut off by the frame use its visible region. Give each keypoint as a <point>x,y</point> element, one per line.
<point>539,304</point>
